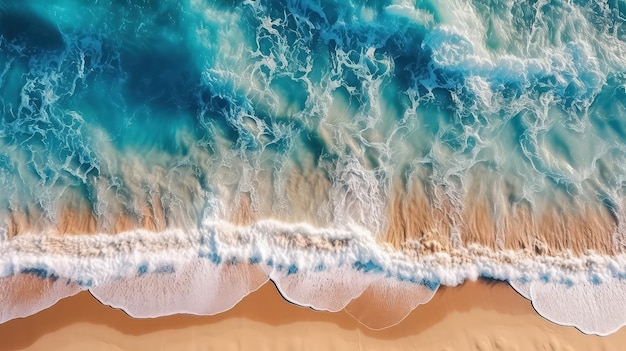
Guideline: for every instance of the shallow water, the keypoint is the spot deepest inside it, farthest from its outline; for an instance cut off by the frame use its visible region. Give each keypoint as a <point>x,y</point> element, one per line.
<point>389,141</point>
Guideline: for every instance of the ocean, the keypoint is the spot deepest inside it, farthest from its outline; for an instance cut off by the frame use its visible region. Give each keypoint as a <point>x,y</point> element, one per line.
<point>172,156</point>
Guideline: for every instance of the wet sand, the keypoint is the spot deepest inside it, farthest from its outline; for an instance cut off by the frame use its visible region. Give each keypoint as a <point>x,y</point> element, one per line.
<point>476,316</point>
<point>552,228</point>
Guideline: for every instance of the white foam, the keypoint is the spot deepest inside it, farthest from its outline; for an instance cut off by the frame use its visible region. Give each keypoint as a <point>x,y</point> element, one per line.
<point>405,8</point>
<point>593,308</point>
<point>103,257</point>
<point>199,287</point>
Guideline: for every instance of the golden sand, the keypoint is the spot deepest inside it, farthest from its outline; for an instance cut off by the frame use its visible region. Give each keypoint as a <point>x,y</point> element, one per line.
<point>476,316</point>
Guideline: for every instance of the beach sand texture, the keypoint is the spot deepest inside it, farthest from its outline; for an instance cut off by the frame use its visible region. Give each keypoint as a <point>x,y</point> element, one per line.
<point>480,315</point>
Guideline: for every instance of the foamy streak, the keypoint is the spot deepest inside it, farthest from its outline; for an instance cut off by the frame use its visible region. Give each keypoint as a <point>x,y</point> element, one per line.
<point>95,259</point>
<point>306,263</point>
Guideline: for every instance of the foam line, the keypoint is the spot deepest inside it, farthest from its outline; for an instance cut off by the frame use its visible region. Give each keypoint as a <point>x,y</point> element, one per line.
<point>208,272</point>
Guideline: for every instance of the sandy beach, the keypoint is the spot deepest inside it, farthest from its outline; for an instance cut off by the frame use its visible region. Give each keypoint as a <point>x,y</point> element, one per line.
<point>476,316</point>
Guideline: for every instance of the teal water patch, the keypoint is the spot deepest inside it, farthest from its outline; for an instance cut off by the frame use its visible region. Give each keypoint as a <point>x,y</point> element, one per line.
<point>118,104</point>
<point>369,266</point>
<point>40,272</point>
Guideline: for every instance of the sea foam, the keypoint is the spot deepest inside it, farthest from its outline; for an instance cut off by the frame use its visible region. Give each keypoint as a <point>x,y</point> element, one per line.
<point>594,306</point>
<point>207,272</point>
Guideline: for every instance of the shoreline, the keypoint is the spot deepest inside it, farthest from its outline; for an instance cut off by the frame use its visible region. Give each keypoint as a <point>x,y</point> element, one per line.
<point>485,315</point>
<point>230,261</point>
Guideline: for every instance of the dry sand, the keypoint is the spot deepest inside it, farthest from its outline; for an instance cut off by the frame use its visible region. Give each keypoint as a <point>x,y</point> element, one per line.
<point>476,316</point>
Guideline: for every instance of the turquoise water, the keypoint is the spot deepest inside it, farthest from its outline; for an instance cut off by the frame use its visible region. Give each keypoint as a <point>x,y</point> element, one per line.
<point>528,89</point>
<point>307,111</point>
